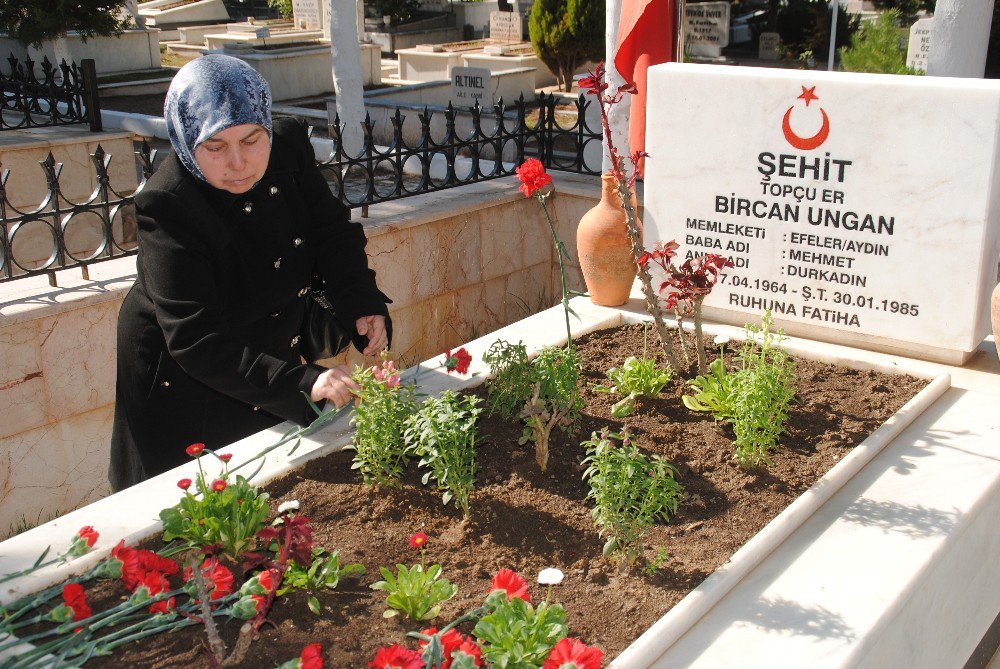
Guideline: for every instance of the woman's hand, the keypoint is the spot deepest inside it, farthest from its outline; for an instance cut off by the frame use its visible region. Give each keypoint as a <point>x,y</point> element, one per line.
<point>374,328</point>
<point>335,385</point>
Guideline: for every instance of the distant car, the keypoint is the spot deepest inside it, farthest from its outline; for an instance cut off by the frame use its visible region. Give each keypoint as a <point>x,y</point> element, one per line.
<point>739,28</point>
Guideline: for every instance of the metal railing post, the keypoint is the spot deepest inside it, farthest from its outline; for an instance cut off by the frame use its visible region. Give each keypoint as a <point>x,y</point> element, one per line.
<point>91,95</point>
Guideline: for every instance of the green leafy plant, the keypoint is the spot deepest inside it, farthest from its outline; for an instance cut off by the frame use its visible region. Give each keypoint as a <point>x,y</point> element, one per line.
<point>284,7</point>
<point>514,634</point>
<point>637,377</point>
<point>415,591</point>
<point>220,513</point>
<point>875,48</point>
<point>324,572</point>
<point>555,399</point>
<point>31,23</point>
<point>510,381</point>
<point>660,559</point>
<point>629,490</point>
<point>755,398</point>
<point>713,391</point>
<point>443,435</point>
<point>379,420</point>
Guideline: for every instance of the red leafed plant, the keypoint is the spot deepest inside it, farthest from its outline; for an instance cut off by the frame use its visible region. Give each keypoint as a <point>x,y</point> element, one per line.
<point>684,288</point>
<point>595,85</point>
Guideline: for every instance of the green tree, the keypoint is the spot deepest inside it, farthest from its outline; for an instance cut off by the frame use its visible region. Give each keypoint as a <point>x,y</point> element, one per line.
<point>804,25</point>
<point>33,22</point>
<point>284,7</point>
<point>565,34</point>
<point>875,48</point>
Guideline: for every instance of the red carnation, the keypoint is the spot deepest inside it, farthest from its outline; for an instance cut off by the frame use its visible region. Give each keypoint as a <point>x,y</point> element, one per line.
<point>194,450</point>
<point>184,484</point>
<point>458,361</point>
<point>311,657</point>
<point>417,540</point>
<point>511,583</point>
<point>573,654</point>
<point>533,176</point>
<point>150,561</point>
<point>75,598</point>
<point>452,641</point>
<point>163,606</point>
<point>131,569</point>
<point>470,648</point>
<point>268,579</point>
<point>155,582</point>
<point>217,577</point>
<point>88,534</point>
<point>218,485</point>
<point>396,657</point>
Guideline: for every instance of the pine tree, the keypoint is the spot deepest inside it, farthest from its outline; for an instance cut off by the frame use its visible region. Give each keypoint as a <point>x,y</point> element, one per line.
<point>35,21</point>
<point>565,34</point>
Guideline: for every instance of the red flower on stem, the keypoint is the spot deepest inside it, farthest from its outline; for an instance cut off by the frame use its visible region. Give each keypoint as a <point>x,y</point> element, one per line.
<point>269,579</point>
<point>226,457</point>
<point>511,583</point>
<point>452,641</point>
<point>574,654</point>
<point>194,450</point>
<point>533,176</point>
<point>131,570</point>
<point>150,561</point>
<point>89,535</point>
<point>417,540</point>
<point>163,606</point>
<point>458,361</point>
<point>75,598</point>
<point>217,577</point>
<point>396,657</point>
<point>184,484</point>
<point>218,485</point>
<point>311,657</point>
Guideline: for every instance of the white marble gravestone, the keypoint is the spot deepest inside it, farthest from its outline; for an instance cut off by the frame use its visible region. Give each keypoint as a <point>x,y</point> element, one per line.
<point>860,208</point>
<point>919,47</point>
<point>706,28</point>
<point>470,85</point>
<point>506,26</point>
<point>308,14</point>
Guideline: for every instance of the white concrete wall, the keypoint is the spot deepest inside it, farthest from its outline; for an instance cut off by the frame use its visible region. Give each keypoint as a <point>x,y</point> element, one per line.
<point>132,50</point>
<point>202,11</point>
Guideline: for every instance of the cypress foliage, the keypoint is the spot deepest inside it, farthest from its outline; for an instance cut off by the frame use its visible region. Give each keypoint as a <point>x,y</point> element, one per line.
<point>35,21</point>
<point>566,34</point>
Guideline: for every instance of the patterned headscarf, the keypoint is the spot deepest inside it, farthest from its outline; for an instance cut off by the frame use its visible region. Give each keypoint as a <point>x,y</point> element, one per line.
<point>208,95</point>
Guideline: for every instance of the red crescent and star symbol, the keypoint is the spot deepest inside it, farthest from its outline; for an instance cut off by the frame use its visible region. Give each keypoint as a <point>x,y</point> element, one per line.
<point>805,143</point>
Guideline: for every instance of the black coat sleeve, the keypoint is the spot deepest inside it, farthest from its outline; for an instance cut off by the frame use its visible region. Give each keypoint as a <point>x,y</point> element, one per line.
<point>341,258</point>
<point>180,278</point>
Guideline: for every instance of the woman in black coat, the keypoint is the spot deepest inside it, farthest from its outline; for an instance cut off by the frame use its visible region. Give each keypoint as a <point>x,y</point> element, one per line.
<point>232,228</point>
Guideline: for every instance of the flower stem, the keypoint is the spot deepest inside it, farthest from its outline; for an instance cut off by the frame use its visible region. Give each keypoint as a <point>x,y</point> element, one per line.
<point>560,255</point>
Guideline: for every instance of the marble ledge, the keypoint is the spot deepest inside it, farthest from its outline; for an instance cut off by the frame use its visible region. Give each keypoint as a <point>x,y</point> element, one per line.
<point>32,138</point>
<point>420,209</point>
<point>33,298</point>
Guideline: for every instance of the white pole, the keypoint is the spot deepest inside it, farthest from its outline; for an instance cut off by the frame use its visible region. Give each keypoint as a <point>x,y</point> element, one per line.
<point>619,114</point>
<point>959,38</point>
<point>345,49</point>
<point>833,36</point>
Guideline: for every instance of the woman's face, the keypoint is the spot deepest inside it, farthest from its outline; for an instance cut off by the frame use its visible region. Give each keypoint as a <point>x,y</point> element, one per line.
<point>234,159</point>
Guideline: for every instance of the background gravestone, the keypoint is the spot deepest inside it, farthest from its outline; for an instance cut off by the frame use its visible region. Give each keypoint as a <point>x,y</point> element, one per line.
<point>862,209</point>
<point>307,14</point>
<point>768,47</point>
<point>506,26</point>
<point>919,47</point>
<point>470,85</point>
<point>707,28</point>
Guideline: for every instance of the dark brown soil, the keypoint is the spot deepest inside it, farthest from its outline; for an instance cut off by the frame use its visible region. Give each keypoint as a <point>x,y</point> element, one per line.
<point>526,520</point>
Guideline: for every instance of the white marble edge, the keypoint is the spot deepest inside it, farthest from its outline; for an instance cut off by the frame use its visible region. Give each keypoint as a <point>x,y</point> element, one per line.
<point>144,502</point>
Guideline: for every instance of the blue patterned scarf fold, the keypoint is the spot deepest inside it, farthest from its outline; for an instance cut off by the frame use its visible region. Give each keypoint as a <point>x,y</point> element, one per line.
<point>208,95</point>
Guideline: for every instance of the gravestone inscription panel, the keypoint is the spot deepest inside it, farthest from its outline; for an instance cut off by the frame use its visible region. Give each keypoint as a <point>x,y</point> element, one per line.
<point>707,28</point>
<point>307,14</point>
<point>506,26</point>
<point>918,49</point>
<point>861,209</point>
<point>471,85</point>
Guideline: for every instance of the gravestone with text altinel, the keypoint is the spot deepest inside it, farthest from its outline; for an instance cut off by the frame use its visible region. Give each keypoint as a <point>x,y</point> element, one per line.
<point>862,209</point>
<point>470,85</point>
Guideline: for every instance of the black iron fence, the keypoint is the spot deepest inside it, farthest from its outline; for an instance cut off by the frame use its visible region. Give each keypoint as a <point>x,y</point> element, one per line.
<point>59,233</point>
<point>56,95</point>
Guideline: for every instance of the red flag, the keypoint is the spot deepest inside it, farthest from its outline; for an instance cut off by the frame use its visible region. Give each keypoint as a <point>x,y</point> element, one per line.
<point>646,37</point>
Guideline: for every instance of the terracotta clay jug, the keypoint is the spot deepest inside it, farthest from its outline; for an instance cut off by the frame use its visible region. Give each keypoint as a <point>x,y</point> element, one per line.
<point>995,313</point>
<point>604,249</point>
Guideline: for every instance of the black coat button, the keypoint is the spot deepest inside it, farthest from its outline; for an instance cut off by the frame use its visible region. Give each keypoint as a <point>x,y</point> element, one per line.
<point>277,263</point>
<point>165,384</point>
<point>297,242</point>
<point>273,190</point>
<point>248,208</point>
<point>304,291</point>
<point>295,341</point>
<point>255,408</point>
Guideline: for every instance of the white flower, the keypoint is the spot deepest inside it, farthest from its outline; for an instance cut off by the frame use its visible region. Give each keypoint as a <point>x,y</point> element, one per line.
<point>290,505</point>
<point>550,576</point>
<point>721,340</point>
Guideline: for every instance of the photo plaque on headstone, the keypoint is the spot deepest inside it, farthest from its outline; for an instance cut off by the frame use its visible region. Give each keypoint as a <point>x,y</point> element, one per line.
<point>919,47</point>
<point>861,210</point>
<point>506,26</point>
